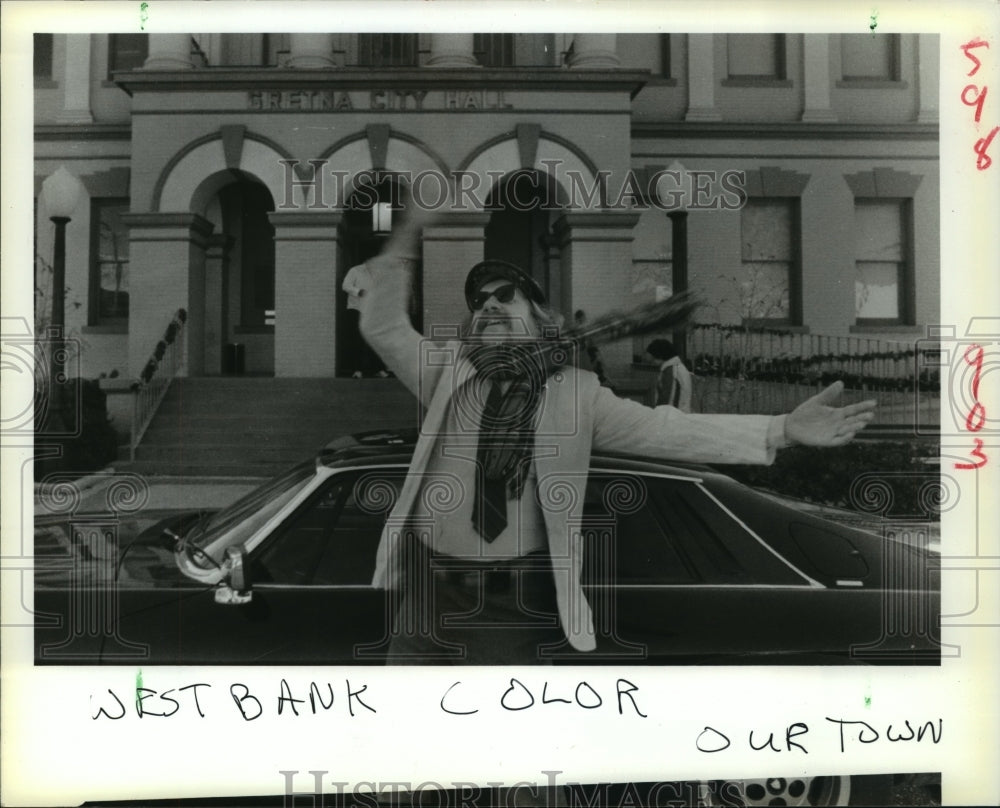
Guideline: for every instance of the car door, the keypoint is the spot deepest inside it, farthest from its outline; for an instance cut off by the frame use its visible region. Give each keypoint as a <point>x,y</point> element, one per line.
<point>669,570</point>
<point>310,595</point>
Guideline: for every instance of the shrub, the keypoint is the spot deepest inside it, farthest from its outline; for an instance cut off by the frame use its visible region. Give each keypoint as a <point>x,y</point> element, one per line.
<point>94,447</point>
<point>826,475</point>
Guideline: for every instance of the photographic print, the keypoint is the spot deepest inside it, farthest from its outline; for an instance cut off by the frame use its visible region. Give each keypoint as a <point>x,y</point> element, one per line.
<point>573,371</point>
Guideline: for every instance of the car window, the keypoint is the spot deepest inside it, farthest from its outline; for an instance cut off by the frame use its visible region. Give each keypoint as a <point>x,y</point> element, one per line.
<point>235,524</point>
<point>627,538</point>
<point>666,531</point>
<point>333,537</point>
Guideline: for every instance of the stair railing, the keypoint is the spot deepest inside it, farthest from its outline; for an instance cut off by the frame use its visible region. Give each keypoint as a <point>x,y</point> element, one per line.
<point>164,364</point>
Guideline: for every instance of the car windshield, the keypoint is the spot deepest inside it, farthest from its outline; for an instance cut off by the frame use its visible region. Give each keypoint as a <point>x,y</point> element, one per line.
<point>238,522</point>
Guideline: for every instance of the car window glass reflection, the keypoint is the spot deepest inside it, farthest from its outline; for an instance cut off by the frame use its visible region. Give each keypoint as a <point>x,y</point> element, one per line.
<point>331,540</point>
<point>234,525</point>
<point>635,542</point>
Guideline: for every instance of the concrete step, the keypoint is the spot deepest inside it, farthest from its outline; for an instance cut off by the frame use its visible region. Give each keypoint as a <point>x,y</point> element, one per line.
<point>259,426</point>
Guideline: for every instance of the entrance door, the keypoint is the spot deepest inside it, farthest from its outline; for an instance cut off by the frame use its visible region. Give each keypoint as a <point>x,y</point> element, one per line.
<point>369,216</point>
<point>250,296</point>
<point>518,230</point>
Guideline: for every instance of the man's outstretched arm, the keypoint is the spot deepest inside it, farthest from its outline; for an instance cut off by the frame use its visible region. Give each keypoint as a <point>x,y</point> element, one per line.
<point>667,433</point>
<point>819,422</point>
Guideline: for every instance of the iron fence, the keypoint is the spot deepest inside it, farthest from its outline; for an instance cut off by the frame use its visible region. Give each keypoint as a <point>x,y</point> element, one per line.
<point>742,370</point>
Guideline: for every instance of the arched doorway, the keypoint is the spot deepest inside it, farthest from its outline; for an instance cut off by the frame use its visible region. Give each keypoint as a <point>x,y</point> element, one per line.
<point>370,214</point>
<point>240,281</point>
<point>519,230</point>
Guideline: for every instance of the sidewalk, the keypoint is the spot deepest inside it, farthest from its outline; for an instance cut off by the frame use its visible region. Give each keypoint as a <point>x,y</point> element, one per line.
<point>99,492</point>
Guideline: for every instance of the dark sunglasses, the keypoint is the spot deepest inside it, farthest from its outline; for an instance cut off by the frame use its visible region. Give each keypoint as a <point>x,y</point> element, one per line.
<point>504,294</point>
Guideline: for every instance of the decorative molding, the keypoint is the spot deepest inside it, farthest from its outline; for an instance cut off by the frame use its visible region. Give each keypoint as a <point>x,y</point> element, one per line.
<point>97,131</point>
<point>607,225</point>
<point>527,143</point>
<point>871,84</point>
<point>394,134</point>
<point>883,182</point>
<point>759,82</point>
<point>172,163</point>
<point>232,143</point>
<point>112,182</point>
<point>786,130</point>
<point>771,181</point>
<point>364,78</point>
<point>289,225</point>
<point>196,228</point>
<point>378,144</point>
<point>543,135</point>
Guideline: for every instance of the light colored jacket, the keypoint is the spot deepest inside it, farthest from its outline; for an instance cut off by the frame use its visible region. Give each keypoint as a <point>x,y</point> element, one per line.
<point>576,416</point>
<point>673,386</point>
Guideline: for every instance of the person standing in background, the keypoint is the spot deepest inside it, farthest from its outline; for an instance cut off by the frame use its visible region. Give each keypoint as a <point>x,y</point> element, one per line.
<point>673,386</point>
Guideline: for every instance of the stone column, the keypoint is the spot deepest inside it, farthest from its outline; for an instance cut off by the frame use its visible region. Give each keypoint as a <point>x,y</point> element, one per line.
<point>311,51</point>
<point>169,52</point>
<point>596,270</point>
<point>450,249</point>
<point>305,292</point>
<point>594,52</point>
<point>216,300</point>
<point>166,273</point>
<point>76,81</point>
<point>816,58</point>
<point>452,50</point>
<point>701,78</point>
<point>928,65</point>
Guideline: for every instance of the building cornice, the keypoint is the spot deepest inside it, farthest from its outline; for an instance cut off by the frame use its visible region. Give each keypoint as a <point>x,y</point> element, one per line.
<point>790,130</point>
<point>355,78</point>
<point>92,131</point>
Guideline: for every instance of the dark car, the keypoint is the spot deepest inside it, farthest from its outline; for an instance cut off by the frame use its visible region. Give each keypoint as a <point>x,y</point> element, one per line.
<point>683,566</point>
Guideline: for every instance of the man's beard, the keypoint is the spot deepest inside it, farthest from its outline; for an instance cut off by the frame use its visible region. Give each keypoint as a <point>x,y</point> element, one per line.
<point>501,327</point>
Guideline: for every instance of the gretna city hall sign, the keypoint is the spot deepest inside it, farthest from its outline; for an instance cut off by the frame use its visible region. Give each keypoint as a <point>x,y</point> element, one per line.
<point>345,101</point>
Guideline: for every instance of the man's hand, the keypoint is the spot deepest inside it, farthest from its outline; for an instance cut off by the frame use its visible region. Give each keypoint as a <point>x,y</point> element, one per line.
<point>817,422</point>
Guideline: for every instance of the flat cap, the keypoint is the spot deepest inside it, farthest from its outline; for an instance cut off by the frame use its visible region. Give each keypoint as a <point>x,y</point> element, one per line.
<point>493,269</point>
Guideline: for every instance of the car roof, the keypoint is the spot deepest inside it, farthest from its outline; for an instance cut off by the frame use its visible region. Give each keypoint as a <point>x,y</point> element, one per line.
<point>391,446</point>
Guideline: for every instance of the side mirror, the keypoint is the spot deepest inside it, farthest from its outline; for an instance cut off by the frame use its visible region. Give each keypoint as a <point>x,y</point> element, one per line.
<point>235,587</point>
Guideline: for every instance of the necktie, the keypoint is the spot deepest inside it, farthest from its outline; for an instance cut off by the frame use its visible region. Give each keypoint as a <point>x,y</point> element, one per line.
<point>489,509</point>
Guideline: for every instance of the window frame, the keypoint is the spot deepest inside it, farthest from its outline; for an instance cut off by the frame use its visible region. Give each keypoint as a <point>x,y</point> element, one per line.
<point>779,78</point>
<point>115,55</point>
<point>905,279</point>
<point>366,50</point>
<point>481,48</point>
<point>45,76</point>
<point>794,316</point>
<point>895,75</point>
<point>94,316</point>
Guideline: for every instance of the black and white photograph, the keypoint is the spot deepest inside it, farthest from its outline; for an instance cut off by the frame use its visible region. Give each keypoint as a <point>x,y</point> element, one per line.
<point>630,387</point>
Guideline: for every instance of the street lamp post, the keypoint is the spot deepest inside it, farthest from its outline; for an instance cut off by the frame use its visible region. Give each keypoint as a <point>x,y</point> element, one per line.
<point>678,223</point>
<point>62,192</point>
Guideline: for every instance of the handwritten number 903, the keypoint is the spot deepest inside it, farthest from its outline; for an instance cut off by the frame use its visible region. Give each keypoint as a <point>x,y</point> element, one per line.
<point>976,417</point>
